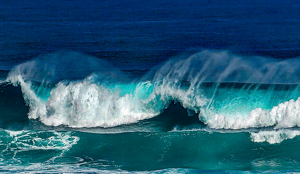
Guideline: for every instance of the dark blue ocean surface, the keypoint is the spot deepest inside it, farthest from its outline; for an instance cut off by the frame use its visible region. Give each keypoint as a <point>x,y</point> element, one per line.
<point>149,86</point>
<point>140,34</point>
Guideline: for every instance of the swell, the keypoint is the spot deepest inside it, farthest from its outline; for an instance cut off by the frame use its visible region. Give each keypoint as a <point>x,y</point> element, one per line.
<point>224,90</point>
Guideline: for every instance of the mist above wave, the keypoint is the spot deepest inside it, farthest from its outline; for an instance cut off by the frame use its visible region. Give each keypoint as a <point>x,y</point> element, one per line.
<point>65,66</point>
<point>223,66</point>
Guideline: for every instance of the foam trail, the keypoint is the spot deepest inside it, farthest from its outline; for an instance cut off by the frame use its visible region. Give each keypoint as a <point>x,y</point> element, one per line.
<point>51,144</point>
<point>51,141</point>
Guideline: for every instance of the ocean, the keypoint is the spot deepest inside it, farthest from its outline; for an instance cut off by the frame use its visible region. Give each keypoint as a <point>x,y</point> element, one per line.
<point>149,86</point>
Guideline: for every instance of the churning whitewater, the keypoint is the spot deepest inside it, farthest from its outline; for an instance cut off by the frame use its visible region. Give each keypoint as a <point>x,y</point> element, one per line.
<point>225,90</point>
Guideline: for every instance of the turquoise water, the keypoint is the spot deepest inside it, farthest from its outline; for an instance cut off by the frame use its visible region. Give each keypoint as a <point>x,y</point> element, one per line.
<point>190,150</point>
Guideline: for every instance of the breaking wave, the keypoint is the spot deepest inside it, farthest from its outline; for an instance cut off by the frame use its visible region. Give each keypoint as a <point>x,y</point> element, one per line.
<point>225,91</point>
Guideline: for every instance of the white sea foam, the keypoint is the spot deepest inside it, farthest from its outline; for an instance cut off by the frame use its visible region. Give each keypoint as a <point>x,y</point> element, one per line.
<point>273,137</point>
<point>285,115</point>
<point>84,104</point>
<point>51,141</point>
<point>15,143</point>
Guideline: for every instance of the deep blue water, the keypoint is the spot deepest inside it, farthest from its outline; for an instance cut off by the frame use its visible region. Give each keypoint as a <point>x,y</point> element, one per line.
<point>149,86</point>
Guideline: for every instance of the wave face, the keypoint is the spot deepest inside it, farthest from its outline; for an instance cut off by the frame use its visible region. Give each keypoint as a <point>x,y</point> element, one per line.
<point>62,102</point>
